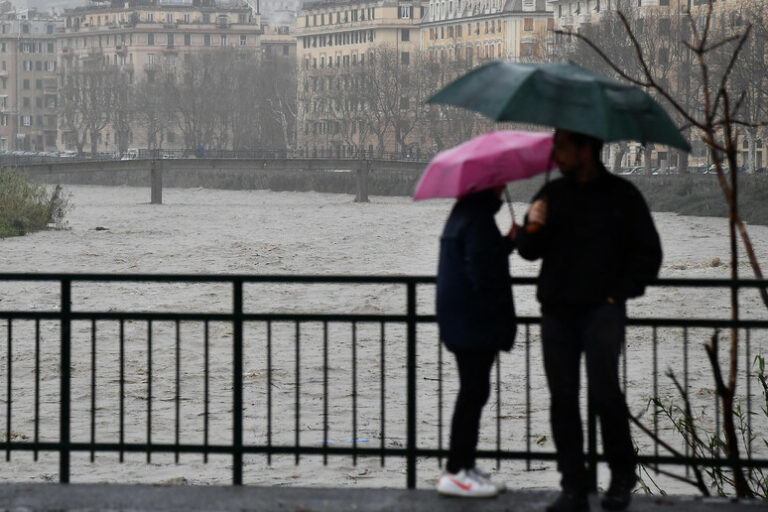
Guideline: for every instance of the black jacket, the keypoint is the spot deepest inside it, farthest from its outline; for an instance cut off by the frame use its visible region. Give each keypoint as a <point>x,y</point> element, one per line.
<point>599,241</point>
<point>475,310</point>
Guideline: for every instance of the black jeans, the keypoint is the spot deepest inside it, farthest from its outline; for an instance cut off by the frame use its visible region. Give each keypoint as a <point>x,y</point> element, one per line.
<point>474,389</point>
<point>599,334</point>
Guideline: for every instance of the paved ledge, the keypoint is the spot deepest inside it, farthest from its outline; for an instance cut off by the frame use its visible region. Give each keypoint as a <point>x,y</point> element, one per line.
<point>135,498</point>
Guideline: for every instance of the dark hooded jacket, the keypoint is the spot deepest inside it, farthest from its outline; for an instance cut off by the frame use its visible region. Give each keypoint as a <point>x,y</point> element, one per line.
<point>599,241</point>
<point>475,310</point>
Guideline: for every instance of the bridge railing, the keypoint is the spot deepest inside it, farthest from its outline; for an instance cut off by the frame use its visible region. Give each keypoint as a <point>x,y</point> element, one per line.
<point>16,159</point>
<point>274,373</point>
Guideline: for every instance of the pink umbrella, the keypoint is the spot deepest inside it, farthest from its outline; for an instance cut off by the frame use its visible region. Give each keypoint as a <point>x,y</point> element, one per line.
<point>484,162</point>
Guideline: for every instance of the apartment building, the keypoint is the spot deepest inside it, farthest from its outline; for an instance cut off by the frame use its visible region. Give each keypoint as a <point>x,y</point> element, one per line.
<point>335,42</point>
<point>469,32</point>
<point>28,93</point>
<point>138,36</point>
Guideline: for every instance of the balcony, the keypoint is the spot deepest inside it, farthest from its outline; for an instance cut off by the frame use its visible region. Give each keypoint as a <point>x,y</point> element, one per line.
<point>121,49</point>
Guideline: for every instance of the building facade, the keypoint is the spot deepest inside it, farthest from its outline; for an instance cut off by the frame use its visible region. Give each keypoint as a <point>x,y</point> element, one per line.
<point>339,112</point>
<point>138,37</point>
<point>28,71</point>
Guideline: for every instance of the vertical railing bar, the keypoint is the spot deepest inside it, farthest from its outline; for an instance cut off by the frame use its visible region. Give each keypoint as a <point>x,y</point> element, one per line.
<point>8,399</point>
<point>748,367</point>
<point>206,389</point>
<point>325,393</point>
<point>237,384</point>
<point>625,389</point>
<point>498,411</point>
<point>440,402</point>
<point>177,397</point>
<point>382,406</point>
<point>93,389</point>
<point>122,388</point>
<point>411,385</point>
<point>298,393</point>
<point>528,397</point>
<point>37,386</point>
<point>65,384</point>
<point>149,391</point>
<point>655,394</point>
<point>685,387</point>
<point>354,393</point>
<point>269,392</point>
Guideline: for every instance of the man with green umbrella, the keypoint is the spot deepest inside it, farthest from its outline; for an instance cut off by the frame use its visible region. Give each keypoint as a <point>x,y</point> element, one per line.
<point>599,247</point>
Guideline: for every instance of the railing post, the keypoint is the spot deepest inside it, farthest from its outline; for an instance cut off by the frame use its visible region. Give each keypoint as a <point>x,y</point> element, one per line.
<point>237,381</point>
<point>411,383</point>
<point>66,365</point>
<point>591,446</point>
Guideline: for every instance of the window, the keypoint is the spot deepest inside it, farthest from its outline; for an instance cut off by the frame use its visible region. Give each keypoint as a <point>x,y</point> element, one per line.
<point>150,59</point>
<point>49,29</point>
<point>528,24</point>
<point>223,40</point>
<point>27,65</point>
<point>39,102</point>
<point>405,58</point>
<point>169,17</point>
<point>150,16</point>
<point>151,39</point>
<point>38,65</point>
<point>50,65</point>
<point>186,17</point>
<point>50,48</point>
<point>207,40</point>
<point>38,84</point>
<point>405,35</point>
<point>286,49</point>
<point>26,83</point>
<point>405,12</point>
<point>170,40</point>
<point>25,28</point>
<point>4,120</point>
<point>243,40</point>
<point>206,17</point>
<point>187,39</point>
<point>26,120</point>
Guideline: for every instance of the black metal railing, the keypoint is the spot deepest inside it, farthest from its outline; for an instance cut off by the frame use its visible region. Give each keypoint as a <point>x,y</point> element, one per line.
<point>239,349</point>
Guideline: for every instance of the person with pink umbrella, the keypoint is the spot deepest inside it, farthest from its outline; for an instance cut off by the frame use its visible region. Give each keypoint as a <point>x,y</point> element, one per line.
<point>475,307</point>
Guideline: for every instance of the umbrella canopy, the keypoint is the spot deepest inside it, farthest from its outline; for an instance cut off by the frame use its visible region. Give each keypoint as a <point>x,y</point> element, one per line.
<point>484,162</point>
<point>565,96</point>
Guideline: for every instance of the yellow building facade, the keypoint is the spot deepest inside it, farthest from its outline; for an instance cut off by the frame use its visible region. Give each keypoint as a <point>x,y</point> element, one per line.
<point>335,44</point>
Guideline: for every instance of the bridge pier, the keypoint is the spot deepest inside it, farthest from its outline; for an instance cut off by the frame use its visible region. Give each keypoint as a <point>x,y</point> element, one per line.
<point>363,170</point>
<point>156,179</point>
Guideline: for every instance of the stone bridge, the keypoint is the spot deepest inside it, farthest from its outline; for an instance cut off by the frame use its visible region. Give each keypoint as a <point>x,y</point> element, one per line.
<point>357,176</point>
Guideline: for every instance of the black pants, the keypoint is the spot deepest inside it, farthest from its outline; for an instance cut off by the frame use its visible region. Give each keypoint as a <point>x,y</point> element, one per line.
<point>599,334</point>
<point>474,389</point>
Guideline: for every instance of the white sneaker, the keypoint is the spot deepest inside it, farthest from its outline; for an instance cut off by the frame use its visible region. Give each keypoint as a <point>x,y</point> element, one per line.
<point>465,484</point>
<point>482,475</point>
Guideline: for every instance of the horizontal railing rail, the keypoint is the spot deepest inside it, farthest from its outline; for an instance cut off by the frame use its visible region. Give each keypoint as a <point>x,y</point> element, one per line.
<point>79,325</point>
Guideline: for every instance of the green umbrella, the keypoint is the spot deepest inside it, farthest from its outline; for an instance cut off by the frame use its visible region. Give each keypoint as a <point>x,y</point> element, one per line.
<point>565,96</point>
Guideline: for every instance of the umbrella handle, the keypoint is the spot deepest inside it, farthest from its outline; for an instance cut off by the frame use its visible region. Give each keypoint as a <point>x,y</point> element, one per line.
<point>508,198</point>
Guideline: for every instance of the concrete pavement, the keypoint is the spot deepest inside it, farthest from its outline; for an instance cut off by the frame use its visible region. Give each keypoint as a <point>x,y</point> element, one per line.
<point>136,498</point>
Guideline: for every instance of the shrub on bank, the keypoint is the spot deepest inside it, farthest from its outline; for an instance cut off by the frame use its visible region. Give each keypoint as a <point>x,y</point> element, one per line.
<point>26,206</point>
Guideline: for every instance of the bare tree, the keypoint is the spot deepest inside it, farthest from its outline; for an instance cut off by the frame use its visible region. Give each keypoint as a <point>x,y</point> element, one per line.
<point>87,94</point>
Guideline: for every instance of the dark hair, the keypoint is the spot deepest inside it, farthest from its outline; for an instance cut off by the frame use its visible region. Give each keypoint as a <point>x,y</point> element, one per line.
<point>582,139</point>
